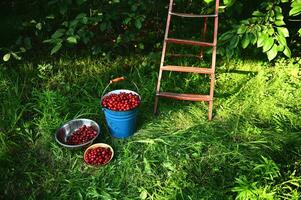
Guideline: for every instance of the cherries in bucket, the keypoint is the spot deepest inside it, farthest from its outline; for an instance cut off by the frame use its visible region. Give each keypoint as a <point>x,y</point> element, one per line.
<point>121,102</point>
<point>120,108</point>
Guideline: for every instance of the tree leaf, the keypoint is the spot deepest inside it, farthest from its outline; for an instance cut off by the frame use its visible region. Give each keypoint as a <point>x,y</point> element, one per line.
<point>58,33</point>
<point>281,39</point>
<point>261,39</point>
<point>242,29</point>
<point>283,31</point>
<point>280,23</point>
<point>234,42</point>
<point>143,194</point>
<point>138,23</point>
<point>299,32</point>
<point>6,57</point>
<point>72,39</point>
<point>268,43</point>
<point>245,41</point>
<point>16,56</point>
<point>57,47</point>
<point>39,26</point>
<point>296,10</point>
<point>257,13</point>
<point>272,53</point>
<point>287,52</point>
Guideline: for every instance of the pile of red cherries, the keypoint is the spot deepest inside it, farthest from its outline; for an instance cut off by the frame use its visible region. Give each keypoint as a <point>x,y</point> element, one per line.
<point>82,135</point>
<point>98,156</point>
<point>121,102</point>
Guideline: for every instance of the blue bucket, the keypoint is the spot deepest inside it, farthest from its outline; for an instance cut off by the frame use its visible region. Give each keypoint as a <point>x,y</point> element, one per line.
<point>121,124</point>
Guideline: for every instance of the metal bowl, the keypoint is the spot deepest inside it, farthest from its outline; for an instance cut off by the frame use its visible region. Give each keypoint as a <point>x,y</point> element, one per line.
<point>65,131</point>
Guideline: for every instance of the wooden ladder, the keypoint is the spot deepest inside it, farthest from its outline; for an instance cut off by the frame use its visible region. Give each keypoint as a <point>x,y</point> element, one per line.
<point>210,71</point>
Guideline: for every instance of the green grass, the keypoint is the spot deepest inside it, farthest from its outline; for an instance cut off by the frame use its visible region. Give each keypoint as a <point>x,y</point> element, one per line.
<point>250,150</point>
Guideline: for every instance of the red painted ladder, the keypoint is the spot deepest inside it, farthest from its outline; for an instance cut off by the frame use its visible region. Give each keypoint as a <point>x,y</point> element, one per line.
<point>210,71</point>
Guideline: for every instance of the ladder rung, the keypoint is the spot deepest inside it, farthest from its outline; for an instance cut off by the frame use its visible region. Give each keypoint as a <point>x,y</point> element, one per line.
<point>189,97</point>
<point>191,15</point>
<point>188,69</point>
<point>185,55</point>
<point>190,42</point>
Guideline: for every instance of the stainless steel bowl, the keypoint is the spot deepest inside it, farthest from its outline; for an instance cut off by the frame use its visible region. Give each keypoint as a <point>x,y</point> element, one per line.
<point>64,132</point>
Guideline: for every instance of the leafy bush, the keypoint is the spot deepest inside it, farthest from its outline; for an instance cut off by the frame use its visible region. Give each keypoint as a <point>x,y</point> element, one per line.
<point>266,28</point>
<point>102,26</point>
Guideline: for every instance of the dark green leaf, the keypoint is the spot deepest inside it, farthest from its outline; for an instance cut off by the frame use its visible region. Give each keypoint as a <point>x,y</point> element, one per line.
<point>278,9</point>
<point>253,38</point>
<point>22,49</point>
<point>72,39</point>
<point>138,23</point>
<point>226,36</point>
<point>103,26</point>
<point>58,33</point>
<point>6,57</point>
<point>257,13</point>
<point>272,53</point>
<point>261,39</point>
<point>268,43</point>
<point>242,29</point>
<point>234,42</point>
<point>57,47</point>
<point>27,43</point>
<point>245,41</point>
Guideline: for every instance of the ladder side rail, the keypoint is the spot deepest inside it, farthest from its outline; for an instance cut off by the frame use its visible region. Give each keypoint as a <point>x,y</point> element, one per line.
<point>163,54</point>
<point>213,63</point>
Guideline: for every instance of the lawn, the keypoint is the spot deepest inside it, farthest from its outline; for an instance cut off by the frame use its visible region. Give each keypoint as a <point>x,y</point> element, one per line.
<point>250,150</point>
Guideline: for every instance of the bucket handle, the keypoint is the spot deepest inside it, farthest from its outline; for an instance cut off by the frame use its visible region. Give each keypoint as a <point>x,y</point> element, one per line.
<point>116,80</point>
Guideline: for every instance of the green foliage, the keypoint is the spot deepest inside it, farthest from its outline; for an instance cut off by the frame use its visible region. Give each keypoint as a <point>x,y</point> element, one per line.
<point>296,11</point>
<point>266,29</point>
<point>263,183</point>
<point>126,26</point>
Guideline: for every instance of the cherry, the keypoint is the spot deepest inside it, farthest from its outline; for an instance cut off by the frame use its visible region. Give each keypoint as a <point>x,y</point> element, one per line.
<point>121,102</point>
<point>82,135</point>
<point>98,156</point>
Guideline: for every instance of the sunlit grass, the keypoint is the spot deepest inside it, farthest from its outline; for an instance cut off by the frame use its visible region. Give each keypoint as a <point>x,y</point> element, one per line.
<point>177,155</point>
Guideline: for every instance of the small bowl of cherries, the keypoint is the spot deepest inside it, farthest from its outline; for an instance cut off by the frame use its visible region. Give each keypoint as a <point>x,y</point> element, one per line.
<point>77,133</point>
<point>98,154</point>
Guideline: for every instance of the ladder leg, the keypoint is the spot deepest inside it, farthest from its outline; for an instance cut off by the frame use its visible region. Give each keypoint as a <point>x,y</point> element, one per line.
<point>212,82</point>
<point>163,56</point>
<point>213,62</point>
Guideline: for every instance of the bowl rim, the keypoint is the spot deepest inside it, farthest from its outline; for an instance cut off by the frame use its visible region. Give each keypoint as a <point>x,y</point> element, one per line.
<point>98,145</point>
<point>77,145</point>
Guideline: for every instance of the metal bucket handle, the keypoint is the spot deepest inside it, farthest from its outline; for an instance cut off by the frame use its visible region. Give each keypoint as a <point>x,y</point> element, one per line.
<point>116,80</point>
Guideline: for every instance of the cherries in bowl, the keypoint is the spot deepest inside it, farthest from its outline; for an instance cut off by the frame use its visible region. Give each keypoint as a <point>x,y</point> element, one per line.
<point>98,154</point>
<point>77,133</point>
